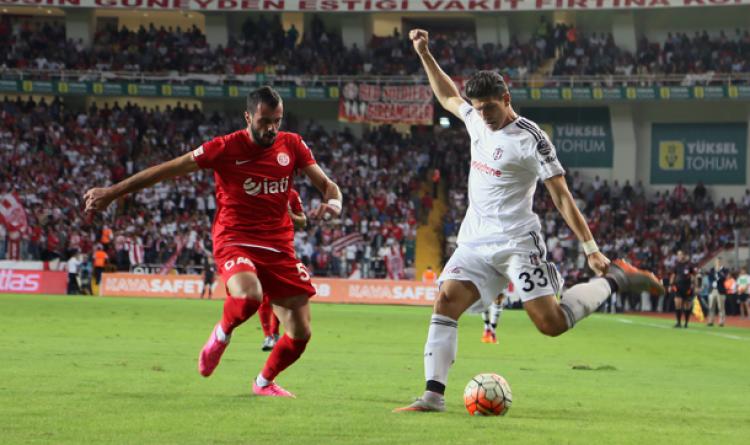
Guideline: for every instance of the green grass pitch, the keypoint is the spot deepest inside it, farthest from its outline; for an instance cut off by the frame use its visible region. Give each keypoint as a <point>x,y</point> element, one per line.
<point>91,370</point>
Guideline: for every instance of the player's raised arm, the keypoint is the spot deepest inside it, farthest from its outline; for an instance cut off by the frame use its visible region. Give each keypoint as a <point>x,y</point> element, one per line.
<point>445,90</point>
<point>331,204</point>
<point>99,198</point>
<point>564,202</point>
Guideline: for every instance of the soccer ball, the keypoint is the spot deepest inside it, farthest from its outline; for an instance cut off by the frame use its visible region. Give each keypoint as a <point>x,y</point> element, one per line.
<point>488,395</point>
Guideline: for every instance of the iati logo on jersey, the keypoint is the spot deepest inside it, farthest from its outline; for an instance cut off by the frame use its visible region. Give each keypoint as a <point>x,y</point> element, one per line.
<point>282,159</point>
<point>265,187</point>
<point>497,154</point>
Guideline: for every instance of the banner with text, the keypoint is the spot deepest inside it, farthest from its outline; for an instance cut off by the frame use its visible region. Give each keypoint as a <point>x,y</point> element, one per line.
<point>582,136</point>
<point>378,5</point>
<point>15,281</point>
<point>330,290</point>
<point>166,88</point>
<point>692,153</point>
<point>386,104</point>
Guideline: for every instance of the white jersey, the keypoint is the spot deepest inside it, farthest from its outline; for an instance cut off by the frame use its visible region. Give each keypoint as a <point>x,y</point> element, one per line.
<point>505,167</point>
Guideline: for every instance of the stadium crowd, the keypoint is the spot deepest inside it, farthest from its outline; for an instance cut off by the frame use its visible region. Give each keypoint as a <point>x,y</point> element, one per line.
<point>49,155</point>
<point>264,47</point>
<point>581,53</point>
<point>261,47</point>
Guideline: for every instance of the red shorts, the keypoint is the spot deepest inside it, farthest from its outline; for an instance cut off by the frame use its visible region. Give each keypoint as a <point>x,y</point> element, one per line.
<point>281,274</point>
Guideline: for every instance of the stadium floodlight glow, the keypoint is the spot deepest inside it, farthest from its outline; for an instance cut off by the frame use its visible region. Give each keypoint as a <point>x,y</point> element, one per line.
<point>445,122</point>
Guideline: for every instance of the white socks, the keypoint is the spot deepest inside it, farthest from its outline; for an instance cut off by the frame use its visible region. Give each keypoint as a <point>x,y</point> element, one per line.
<point>261,381</point>
<point>486,319</point>
<point>496,310</point>
<point>582,299</point>
<point>440,349</point>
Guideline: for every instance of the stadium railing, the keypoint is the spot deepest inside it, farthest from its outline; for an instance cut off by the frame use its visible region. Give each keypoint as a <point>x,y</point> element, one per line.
<point>709,78</point>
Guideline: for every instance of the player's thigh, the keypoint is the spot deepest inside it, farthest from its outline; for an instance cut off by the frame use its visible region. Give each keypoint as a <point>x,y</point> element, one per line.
<point>468,281</point>
<point>245,285</point>
<point>455,297</point>
<point>294,315</point>
<point>677,302</point>
<point>546,314</point>
<point>283,276</point>
<point>239,272</point>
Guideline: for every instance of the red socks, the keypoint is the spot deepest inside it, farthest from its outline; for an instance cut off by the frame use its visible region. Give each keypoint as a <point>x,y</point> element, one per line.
<point>286,352</point>
<point>236,312</point>
<point>268,321</point>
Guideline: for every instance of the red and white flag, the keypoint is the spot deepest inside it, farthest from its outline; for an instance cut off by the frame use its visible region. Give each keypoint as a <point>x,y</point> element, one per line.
<point>13,213</point>
<point>346,241</point>
<point>169,265</point>
<point>394,263</point>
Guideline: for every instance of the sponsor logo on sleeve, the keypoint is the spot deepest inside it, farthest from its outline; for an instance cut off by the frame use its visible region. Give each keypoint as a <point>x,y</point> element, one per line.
<point>543,147</point>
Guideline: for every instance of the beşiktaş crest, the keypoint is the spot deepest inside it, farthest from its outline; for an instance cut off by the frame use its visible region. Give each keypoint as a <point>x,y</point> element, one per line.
<point>497,154</point>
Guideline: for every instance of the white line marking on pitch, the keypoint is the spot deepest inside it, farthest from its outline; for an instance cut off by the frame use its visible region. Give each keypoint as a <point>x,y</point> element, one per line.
<point>661,326</point>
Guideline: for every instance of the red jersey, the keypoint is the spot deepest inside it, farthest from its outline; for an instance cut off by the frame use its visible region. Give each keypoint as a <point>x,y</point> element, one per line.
<point>295,202</point>
<point>252,188</point>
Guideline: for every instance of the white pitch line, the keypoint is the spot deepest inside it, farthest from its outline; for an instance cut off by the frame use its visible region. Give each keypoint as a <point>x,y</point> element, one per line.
<point>661,326</point>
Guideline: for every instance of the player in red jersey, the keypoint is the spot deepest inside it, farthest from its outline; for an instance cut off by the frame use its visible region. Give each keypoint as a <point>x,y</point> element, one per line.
<point>269,322</point>
<point>252,231</point>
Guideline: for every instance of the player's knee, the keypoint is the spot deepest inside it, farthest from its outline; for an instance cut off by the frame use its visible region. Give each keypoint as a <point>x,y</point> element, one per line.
<point>250,293</point>
<point>300,333</point>
<point>446,305</point>
<point>551,327</point>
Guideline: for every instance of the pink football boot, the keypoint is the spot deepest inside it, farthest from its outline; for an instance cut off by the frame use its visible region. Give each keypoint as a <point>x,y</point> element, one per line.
<point>271,390</point>
<point>211,354</point>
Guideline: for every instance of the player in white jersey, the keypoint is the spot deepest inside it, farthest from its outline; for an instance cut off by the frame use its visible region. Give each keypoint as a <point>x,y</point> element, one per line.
<point>499,240</point>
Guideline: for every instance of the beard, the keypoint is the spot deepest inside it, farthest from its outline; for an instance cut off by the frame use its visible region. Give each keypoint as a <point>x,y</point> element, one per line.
<point>260,140</point>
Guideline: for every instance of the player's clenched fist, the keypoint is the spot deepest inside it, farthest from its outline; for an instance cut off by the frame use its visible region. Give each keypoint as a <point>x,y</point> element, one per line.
<point>419,38</point>
<point>598,263</point>
<point>97,199</point>
<point>326,211</point>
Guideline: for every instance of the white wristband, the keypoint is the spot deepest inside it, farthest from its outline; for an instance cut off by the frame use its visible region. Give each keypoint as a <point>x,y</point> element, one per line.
<point>590,247</point>
<point>336,204</point>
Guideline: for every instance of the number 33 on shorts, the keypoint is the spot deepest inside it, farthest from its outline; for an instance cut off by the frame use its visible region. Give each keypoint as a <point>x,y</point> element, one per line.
<point>537,280</point>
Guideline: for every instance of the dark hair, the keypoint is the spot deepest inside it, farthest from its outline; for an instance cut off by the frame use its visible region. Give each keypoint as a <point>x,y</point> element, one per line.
<point>265,95</point>
<point>485,83</point>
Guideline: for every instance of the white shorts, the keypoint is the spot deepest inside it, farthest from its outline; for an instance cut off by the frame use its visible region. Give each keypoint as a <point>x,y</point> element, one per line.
<point>490,267</point>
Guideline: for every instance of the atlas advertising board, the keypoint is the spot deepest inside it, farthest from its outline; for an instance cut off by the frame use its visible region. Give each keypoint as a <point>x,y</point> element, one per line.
<point>13,281</point>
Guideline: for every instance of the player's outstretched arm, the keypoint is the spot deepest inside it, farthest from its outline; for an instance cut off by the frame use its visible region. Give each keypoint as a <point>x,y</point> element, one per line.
<point>565,204</point>
<point>99,198</point>
<point>331,205</point>
<point>445,90</point>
